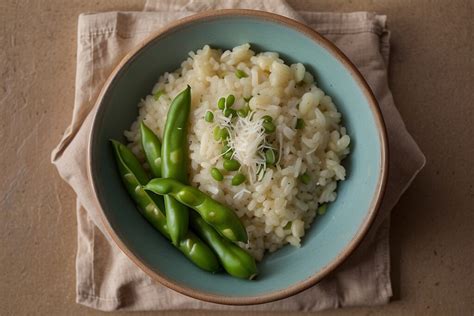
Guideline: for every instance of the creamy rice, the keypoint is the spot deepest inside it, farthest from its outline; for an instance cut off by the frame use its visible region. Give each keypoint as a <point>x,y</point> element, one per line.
<point>276,206</point>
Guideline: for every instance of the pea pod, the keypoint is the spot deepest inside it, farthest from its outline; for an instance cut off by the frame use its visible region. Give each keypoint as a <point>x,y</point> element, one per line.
<point>222,218</point>
<point>152,147</point>
<point>174,161</point>
<point>134,177</point>
<point>235,260</point>
<point>198,252</point>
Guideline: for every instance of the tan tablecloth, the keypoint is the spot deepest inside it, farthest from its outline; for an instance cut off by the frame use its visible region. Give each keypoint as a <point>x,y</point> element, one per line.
<point>107,279</point>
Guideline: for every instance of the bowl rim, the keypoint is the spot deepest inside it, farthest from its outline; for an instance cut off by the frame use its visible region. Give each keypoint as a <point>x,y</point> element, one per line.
<point>376,200</point>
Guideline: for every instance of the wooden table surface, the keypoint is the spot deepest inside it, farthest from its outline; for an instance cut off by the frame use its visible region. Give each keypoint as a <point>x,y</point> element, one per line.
<point>431,75</point>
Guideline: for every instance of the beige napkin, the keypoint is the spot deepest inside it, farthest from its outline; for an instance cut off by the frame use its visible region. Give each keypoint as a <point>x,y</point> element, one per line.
<point>107,279</point>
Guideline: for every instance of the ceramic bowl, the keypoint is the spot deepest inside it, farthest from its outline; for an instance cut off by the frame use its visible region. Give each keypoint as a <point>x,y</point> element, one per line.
<point>330,239</point>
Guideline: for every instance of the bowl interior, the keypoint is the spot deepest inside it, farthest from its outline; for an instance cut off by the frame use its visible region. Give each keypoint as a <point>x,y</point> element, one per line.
<point>329,235</point>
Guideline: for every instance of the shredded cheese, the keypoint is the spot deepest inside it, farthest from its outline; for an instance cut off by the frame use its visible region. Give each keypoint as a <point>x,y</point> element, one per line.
<point>240,194</point>
<point>247,140</point>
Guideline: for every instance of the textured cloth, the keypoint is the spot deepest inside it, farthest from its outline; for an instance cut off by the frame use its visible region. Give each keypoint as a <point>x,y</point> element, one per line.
<point>107,279</point>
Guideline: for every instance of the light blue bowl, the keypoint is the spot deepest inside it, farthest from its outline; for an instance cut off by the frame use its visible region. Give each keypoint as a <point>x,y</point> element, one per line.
<point>330,239</point>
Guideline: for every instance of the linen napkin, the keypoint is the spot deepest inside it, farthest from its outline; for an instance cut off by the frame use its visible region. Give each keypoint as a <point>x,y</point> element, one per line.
<point>107,279</point>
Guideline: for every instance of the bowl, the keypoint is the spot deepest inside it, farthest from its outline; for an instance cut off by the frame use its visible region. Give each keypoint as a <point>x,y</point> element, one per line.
<point>330,239</point>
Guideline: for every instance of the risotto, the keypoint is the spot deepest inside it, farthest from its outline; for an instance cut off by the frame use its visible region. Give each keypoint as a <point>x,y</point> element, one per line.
<point>283,131</point>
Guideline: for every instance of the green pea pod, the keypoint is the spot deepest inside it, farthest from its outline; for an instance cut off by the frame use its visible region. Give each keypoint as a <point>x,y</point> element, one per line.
<point>174,163</point>
<point>134,177</point>
<point>222,218</point>
<point>235,260</point>
<point>198,252</point>
<point>151,145</point>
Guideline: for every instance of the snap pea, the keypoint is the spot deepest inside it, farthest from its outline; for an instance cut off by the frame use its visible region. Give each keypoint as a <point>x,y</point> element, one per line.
<point>134,177</point>
<point>221,103</point>
<point>227,112</point>
<point>270,156</point>
<point>268,126</point>
<point>222,218</point>
<point>230,112</point>
<point>322,209</point>
<point>227,152</point>
<point>229,101</point>
<point>224,134</point>
<point>220,133</point>
<point>238,179</point>
<point>243,112</point>
<point>174,161</point>
<point>225,149</point>
<point>216,133</point>
<point>231,165</point>
<point>151,145</point>
<point>216,174</point>
<point>209,117</point>
<point>198,252</point>
<point>235,260</point>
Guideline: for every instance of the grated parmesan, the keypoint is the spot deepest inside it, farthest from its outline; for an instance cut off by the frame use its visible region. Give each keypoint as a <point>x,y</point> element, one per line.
<point>247,139</point>
<point>240,194</point>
